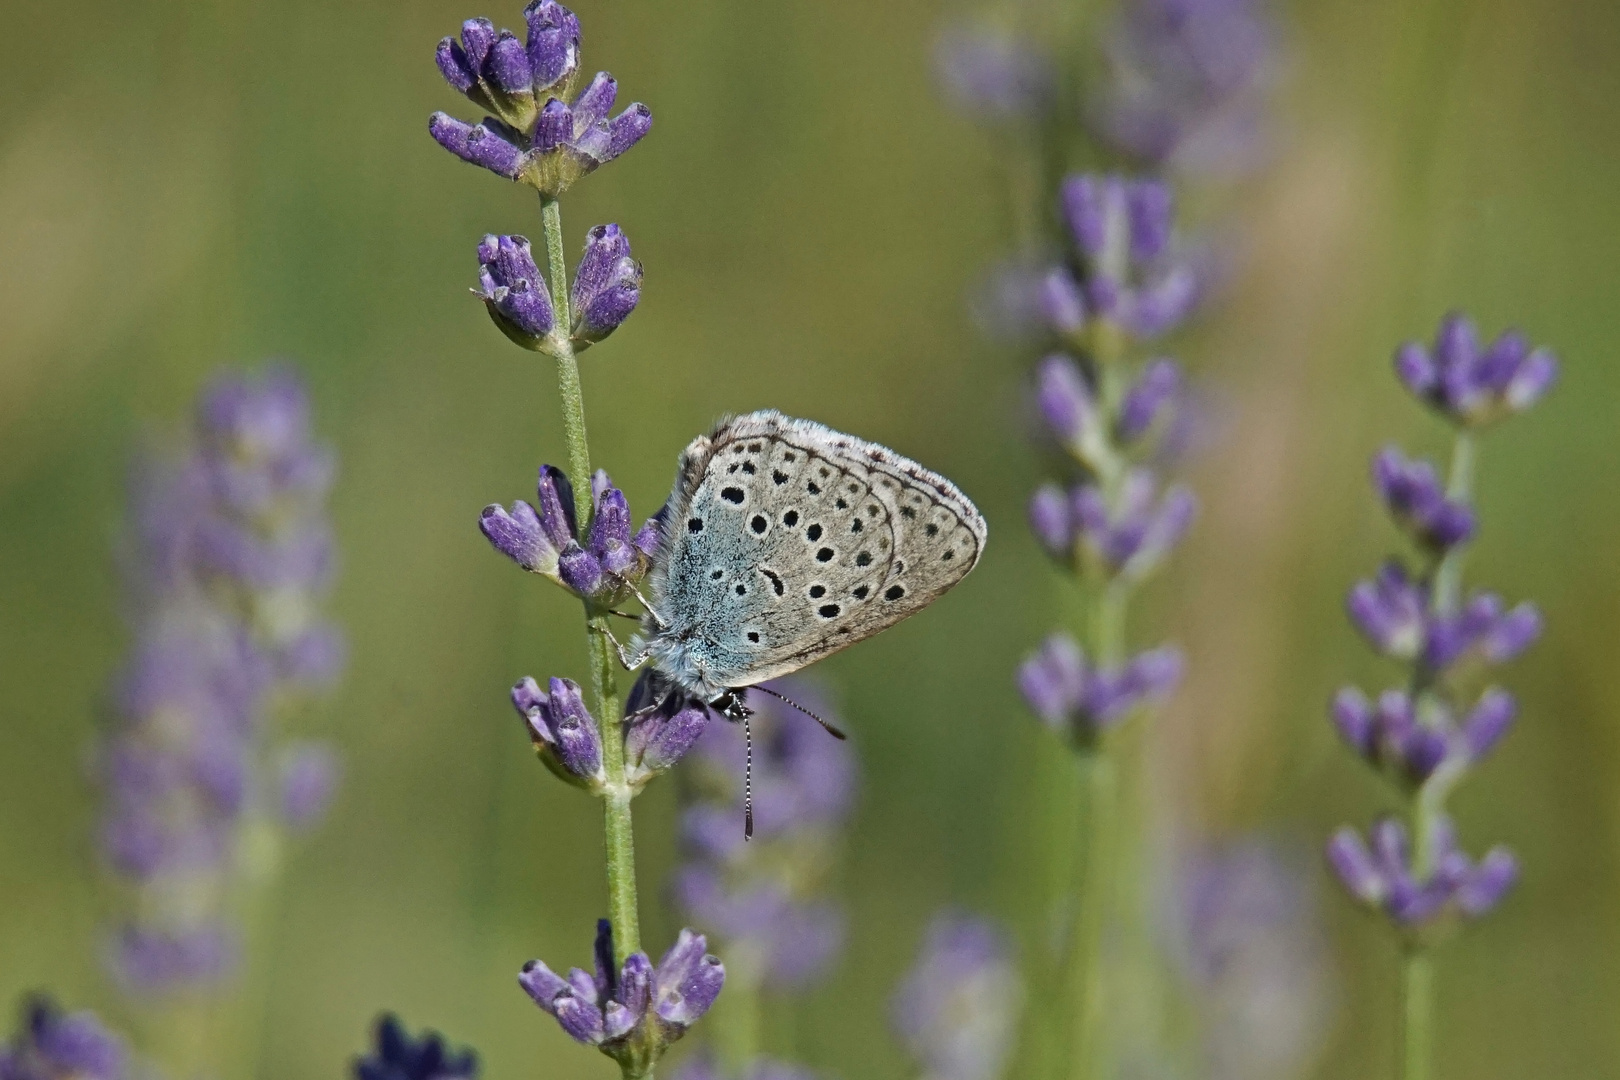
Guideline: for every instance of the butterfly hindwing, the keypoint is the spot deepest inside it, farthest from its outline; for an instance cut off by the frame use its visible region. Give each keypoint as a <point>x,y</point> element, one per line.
<point>788,541</point>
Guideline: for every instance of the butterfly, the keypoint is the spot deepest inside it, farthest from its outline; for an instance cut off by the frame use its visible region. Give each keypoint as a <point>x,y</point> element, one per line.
<point>784,542</point>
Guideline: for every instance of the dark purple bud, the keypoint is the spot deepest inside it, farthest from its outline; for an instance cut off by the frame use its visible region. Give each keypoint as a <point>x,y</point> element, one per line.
<point>610,532</point>
<point>454,66</point>
<point>687,982</point>
<point>650,537</point>
<point>478,38</point>
<point>580,570</point>
<point>1049,520</point>
<point>554,127</point>
<point>512,288</point>
<point>54,1045</point>
<point>659,733</point>
<point>553,44</point>
<point>1053,681</point>
<point>1355,867</point>
<point>1489,883</point>
<point>607,285</point>
<point>606,981</point>
<point>519,536</point>
<point>560,724</point>
<point>596,100</point>
<point>1151,213</point>
<point>309,779</point>
<point>581,1019</point>
<point>555,500</point>
<point>1417,500</point>
<point>1488,721</point>
<point>508,65</point>
<point>1154,389</point>
<point>1065,400</point>
<point>397,1056</point>
<point>627,129</point>
<point>483,145</point>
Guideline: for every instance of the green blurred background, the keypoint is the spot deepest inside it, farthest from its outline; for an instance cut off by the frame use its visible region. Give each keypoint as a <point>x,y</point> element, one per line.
<point>189,184</point>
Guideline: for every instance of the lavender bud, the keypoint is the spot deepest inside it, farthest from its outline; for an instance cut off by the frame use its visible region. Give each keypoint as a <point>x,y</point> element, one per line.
<point>610,532</point>
<point>1488,721</point>
<point>1512,633</point>
<point>580,570</point>
<point>514,291</point>
<point>1053,681</point>
<point>555,500</point>
<point>1355,866</point>
<point>508,68</point>
<point>1065,400</point>
<point>1095,209</point>
<point>596,100</point>
<point>1471,386</point>
<point>660,727</point>
<point>628,128</point>
<point>519,536</point>
<point>553,46</point>
<point>1389,611</point>
<point>489,145</point>
<point>958,1008</point>
<point>1155,388</point>
<point>996,77</point>
<point>1417,500</point>
<point>457,70</point>
<point>1150,213</point>
<point>1353,716</point>
<point>607,285</point>
<point>686,984</point>
<point>1049,520</point>
<point>395,1055</point>
<point>53,1045</point>
<point>1489,883</point>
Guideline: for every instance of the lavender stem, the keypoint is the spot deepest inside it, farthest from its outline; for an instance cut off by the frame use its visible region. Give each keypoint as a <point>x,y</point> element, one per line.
<point>618,829</point>
<point>1091,912</point>
<point>1459,488</point>
<point>1417,1014</point>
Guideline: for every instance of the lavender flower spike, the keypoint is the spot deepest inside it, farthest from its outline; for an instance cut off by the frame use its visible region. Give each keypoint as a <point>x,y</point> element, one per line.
<point>563,732</point>
<point>53,1045</point>
<point>660,727</point>
<point>607,285</point>
<point>514,291</point>
<point>1081,701</point>
<point>1417,500</point>
<point>395,1055</point>
<point>1381,876</point>
<point>632,1014</point>
<point>492,69</point>
<point>997,77</point>
<point>957,1009</point>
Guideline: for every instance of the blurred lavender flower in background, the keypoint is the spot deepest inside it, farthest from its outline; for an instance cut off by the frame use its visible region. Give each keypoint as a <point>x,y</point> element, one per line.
<point>1250,948</point>
<point>230,556</point>
<point>395,1055</point>
<point>53,1045</point>
<point>1187,84</point>
<point>958,1008</point>
<point>997,76</point>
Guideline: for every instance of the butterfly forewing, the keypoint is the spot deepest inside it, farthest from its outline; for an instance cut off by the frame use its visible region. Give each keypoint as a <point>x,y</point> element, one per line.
<point>789,541</point>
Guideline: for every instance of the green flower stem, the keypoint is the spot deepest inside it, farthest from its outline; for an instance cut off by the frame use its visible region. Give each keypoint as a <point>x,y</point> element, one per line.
<point>1459,485</point>
<point>1091,911</point>
<point>1417,1014</point>
<point>617,826</point>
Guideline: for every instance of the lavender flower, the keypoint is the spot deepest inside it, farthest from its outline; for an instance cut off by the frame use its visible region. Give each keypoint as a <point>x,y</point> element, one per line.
<point>1396,614</point>
<point>1134,275</point>
<point>660,727</point>
<point>993,76</point>
<point>1390,735</point>
<point>1187,84</point>
<point>395,1055</point>
<point>607,285</point>
<point>1249,946</point>
<point>763,897</point>
<point>513,290</point>
<point>231,557</point>
<point>1030,300</point>
<point>1382,876</point>
<point>53,1045</point>
<point>957,1008</point>
<point>562,730</point>
<point>632,1012</point>
<point>1416,500</point>
<point>1474,386</point>
<point>609,561</point>
<point>537,137</point>
<point>1080,700</point>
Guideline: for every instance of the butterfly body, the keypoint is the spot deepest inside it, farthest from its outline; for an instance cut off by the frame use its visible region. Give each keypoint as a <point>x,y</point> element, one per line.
<point>786,541</point>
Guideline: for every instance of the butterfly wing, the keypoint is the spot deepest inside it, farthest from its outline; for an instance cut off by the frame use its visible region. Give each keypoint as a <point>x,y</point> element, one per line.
<point>789,541</point>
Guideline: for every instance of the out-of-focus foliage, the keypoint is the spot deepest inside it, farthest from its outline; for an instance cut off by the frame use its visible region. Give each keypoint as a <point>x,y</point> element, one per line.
<point>190,184</point>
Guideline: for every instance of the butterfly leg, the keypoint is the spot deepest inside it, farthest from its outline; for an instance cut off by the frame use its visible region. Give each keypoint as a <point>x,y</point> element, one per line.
<point>657,618</point>
<point>631,663</point>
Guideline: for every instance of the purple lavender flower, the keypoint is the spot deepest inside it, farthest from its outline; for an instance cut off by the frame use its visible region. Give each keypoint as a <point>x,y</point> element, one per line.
<point>514,291</point>
<point>1066,400</point>
<point>1150,397</point>
<point>1073,697</point>
<point>761,897</point>
<point>1390,734</point>
<point>1131,537</point>
<point>1474,386</point>
<point>1187,83</point>
<point>996,77</point>
<point>1382,877</point>
<point>607,285</point>
<point>957,1009</point>
<point>1417,500</point>
<point>1394,613</point>
<point>1134,276</point>
<point>634,1011</point>
<point>53,1045</point>
<point>1029,300</point>
<point>661,725</point>
<point>229,559</point>
<point>608,561</point>
<point>563,732</point>
<point>395,1055</point>
<point>536,137</point>
<point>1249,944</point>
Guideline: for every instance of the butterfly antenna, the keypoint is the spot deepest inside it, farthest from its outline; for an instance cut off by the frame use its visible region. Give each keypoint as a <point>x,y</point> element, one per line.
<point>831,730</point>
<point>748,780</point>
